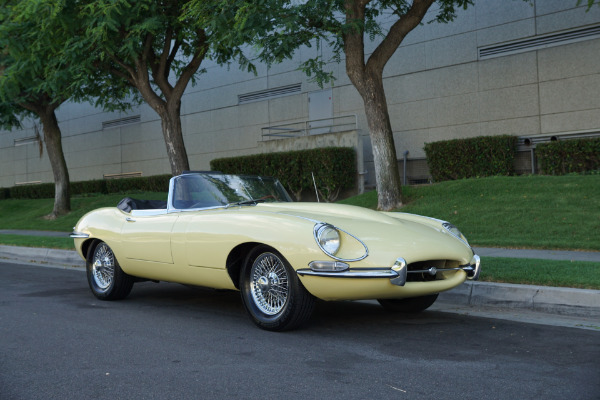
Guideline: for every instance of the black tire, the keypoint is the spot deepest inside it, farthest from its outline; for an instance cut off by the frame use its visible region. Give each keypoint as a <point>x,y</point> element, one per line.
<point>105,276</point>
<point>274,297</point>
<point>411,305</point>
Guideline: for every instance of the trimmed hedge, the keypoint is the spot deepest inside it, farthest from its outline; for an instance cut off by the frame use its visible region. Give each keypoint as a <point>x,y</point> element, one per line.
<point>157,183</point>
<point>39,191</point>
<point>473,157</point>
<point>564,157</point>
<point>334,169</point>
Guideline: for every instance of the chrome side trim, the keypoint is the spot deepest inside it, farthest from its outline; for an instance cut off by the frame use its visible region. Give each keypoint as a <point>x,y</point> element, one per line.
<point>396,274</point>
<point>79,235</point>
<point>351,273</point>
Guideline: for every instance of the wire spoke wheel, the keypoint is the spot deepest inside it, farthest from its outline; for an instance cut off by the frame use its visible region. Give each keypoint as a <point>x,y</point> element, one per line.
<point>274,297</point>
<point>105,276</point>
<point>269,283</point>
<point>103,266</point>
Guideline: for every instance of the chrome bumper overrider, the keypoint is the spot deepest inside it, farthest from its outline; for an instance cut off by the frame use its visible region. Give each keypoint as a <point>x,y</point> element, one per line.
<point>474,269</point>
<point>396,274</point>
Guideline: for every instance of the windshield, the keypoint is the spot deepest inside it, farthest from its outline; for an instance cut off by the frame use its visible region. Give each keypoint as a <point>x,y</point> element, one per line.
<point>218,190</point>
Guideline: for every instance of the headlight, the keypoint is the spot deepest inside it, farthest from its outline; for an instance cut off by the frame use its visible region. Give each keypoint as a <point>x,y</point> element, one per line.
<point>328,238</point>
<point>454,231</point>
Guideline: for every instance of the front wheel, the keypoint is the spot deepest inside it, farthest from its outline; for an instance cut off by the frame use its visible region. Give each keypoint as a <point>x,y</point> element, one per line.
<point>411,305</point>
<point>105,277</point>
<point>273,295</point>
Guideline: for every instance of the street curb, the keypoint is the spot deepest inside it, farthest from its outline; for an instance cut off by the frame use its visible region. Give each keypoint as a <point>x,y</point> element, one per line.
<point>547,299</point>
<point>55,257</point>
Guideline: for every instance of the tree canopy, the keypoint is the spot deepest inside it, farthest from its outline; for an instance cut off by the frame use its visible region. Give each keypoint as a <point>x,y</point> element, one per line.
<point>34,80</point>
<point>144,49</point>
<point>590,3</point>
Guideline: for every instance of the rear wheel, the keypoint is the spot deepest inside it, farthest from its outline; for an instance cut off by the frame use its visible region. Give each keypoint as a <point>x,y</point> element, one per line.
<point>273,295</point>
<point>105,277</point>
<point>411,305</point>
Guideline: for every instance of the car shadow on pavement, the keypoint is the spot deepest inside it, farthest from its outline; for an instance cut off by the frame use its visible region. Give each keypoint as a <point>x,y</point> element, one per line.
<point>327,314</point>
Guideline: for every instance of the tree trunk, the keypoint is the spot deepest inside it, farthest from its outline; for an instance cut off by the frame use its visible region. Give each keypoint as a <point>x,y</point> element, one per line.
<point>389,189</point>
<point>53,140</point>
<point>368,80</point>
<point>173,135</point>
<point>169,112</point>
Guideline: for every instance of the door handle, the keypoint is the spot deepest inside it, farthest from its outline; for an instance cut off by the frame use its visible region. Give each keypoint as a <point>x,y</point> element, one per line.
<point>129,219</point>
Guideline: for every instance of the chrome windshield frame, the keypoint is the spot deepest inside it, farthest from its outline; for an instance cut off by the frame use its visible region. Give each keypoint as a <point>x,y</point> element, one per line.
<point>249,201</point>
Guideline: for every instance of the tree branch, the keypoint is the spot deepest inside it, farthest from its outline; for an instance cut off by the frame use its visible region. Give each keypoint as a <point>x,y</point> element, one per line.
<point>174,51</point>
<point>40,104</point>
<point>354,45</point>
<point>162,67</point>
<point>396,35</point>
<point>129,76</point>
<point>192,67</point>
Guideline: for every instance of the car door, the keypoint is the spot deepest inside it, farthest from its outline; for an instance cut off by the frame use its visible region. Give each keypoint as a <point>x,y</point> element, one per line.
<point>148,237</point>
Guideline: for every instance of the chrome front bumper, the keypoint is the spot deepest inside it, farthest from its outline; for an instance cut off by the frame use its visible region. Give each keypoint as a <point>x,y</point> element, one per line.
<point>397,274</point>
<point>79,235</point>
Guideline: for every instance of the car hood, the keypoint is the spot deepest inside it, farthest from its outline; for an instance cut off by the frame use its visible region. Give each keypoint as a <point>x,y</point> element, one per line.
<point>381,231</point>
<point>328,212</point>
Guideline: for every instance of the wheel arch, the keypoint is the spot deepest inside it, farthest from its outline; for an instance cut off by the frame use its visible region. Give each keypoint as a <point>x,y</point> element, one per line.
<point>89,243</point>
<point>237,257</point>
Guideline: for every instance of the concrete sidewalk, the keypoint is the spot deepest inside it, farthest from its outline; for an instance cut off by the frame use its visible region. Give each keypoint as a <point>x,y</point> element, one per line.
<point>33,233</point>
<point>564,255</point>
<point>544,299</point>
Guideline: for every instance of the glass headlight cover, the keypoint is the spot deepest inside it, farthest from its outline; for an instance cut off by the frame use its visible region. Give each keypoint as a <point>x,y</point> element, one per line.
<point>454,231</point>
<point>328,238</point>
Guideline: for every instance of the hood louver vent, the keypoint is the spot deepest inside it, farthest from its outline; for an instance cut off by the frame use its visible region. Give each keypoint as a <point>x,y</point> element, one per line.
<point>115,123</point>
<point>539,42</point>
<point>270,93</point>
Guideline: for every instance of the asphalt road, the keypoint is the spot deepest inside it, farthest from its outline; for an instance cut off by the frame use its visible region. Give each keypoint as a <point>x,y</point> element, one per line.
<point>169,341</point>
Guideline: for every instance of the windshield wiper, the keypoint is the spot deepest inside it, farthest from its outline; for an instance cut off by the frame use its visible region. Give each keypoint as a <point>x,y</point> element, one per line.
<point>245,203</point>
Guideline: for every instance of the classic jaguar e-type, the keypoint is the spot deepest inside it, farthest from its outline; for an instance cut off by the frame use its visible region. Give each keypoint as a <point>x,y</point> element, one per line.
<point>244,233</point>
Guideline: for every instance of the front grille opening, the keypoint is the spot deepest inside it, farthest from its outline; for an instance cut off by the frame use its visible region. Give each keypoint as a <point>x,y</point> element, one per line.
<point>439,265</point>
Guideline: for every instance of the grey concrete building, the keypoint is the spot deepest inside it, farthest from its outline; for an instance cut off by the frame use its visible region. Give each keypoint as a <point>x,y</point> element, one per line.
<point>530,69</point>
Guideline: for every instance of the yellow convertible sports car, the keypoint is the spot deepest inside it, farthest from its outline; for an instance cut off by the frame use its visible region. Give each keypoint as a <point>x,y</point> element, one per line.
<point>244,233</point>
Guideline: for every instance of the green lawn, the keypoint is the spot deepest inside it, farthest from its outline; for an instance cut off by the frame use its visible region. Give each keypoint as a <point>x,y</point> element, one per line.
<point>575,274</point>
<point>547,212</point>
<point>37,241</point>
<point>29,214</point>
